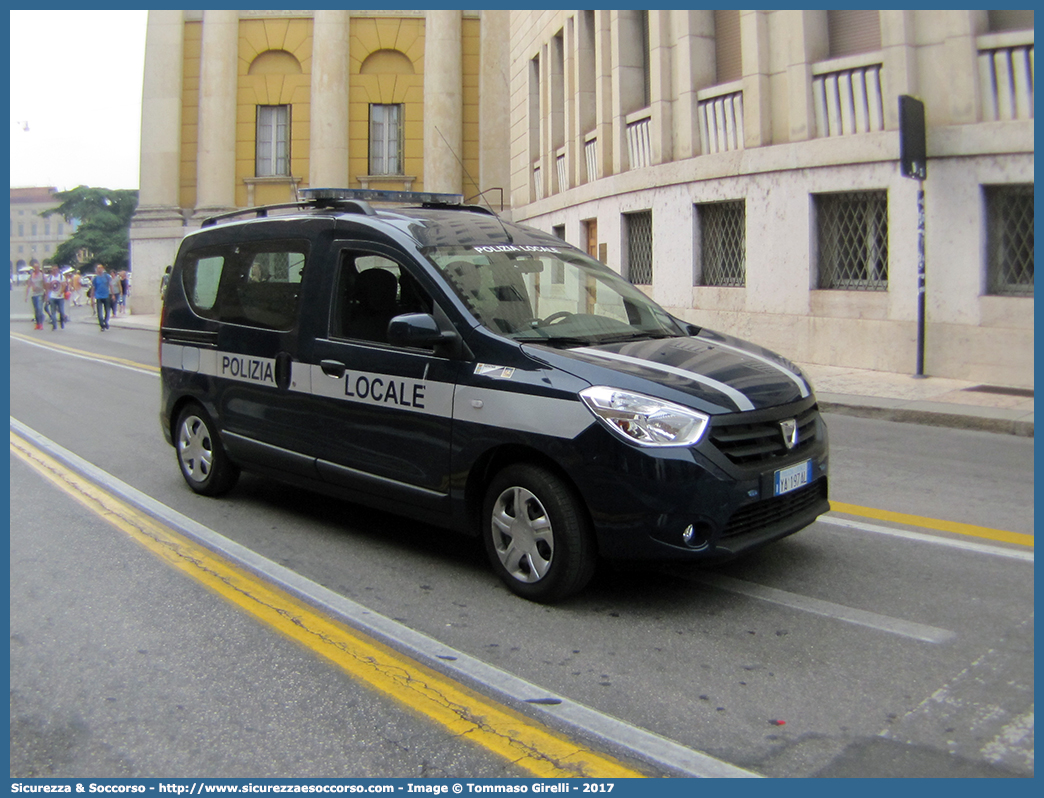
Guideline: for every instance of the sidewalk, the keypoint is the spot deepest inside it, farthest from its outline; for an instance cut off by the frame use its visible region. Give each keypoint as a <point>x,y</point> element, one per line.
<point>876,394</point>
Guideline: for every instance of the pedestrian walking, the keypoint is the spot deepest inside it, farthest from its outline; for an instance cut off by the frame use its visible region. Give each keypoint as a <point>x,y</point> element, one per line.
<point>101,289</point>
<point>56,288</point>
<point>115,293</point>
<point>124,290</point>
<point>36,289</point>
<point>75,288</point>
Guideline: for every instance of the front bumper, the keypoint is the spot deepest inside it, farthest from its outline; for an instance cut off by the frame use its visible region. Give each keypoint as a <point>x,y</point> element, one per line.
<point>694,504</point>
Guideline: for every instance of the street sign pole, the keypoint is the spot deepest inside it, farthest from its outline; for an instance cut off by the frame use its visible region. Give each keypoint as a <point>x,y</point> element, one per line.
<point>920,280</point>
<point>913,162</point>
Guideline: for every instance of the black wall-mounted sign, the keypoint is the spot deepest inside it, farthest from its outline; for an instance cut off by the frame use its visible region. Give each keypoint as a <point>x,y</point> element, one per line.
<point>913,158</point>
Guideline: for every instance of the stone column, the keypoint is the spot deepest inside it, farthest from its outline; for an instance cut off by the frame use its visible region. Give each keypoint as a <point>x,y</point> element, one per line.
<point>158,224</point>
<point>216,158</point>
<point>328,156</point>
<point>604,108</point>
<point>661,81</point>
<point>757,89</point>
<point>494,110</point>
<point>443,102</point>
<point>807,37</point>
<point>161,111</point>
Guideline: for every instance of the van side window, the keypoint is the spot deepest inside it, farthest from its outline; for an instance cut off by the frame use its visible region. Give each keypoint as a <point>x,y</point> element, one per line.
<point>201,281</point>
<point>371,291</point>
<point>257,285</point>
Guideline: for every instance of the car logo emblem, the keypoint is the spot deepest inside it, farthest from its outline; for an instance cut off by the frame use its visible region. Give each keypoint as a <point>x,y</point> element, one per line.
<point>790,432</point>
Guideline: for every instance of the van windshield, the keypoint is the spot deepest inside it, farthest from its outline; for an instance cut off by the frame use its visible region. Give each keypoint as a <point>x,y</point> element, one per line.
<point>547,294</point>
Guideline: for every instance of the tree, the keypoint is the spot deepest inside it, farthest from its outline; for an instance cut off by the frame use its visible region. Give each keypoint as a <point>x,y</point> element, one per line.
<point>101,218</point>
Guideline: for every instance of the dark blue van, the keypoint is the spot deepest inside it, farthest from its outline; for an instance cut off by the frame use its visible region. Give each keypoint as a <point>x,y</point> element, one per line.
<point>441,363</point>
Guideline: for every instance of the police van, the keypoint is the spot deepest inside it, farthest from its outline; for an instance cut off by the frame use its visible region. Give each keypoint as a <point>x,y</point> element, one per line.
<point>432,359</point>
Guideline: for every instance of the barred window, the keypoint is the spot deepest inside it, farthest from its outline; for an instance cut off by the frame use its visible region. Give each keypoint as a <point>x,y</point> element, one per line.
<point>1009,239</point>
<point>723,243</point>
<point>639,247</point>
<point>853,240</point>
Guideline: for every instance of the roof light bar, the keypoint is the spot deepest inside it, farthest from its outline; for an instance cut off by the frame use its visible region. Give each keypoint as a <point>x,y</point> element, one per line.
<point>375,195</point>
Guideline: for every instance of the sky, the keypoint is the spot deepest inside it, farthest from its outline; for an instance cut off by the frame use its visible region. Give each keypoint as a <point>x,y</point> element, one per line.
<point>76,85</point>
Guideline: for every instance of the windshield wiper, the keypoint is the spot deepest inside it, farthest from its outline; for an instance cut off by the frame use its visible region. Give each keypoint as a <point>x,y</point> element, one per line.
<point>635,336</point>
<point>557,341</point>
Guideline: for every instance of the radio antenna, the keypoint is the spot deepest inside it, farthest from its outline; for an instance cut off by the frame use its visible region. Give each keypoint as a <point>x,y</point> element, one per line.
<point>476,185</point>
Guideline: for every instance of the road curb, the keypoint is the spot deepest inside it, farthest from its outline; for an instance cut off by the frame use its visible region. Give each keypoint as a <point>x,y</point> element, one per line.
<point>934,418</point>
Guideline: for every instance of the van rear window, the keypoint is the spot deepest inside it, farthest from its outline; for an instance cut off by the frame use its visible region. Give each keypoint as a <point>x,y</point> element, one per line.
<point>256,285</point>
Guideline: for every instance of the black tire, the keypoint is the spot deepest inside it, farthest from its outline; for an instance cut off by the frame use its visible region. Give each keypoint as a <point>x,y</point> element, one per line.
<point>201,457</point>
<point>537,534</point>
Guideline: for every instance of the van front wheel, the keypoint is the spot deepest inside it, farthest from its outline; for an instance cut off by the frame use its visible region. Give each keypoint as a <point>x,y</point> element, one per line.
<point>202,459</point>
<point>537,535</point>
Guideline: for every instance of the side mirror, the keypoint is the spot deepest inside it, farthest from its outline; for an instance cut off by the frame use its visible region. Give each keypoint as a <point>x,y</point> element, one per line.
<point>418,330</point>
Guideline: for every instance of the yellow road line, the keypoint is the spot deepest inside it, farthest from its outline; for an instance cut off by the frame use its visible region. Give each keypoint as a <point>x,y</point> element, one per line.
<point>516,738</point>
<point>83,353</point>
<point>934,523</point>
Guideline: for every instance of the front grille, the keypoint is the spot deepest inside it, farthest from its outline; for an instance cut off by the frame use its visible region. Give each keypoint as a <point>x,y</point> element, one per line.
<point>756,442</point>
<point>760,515</point>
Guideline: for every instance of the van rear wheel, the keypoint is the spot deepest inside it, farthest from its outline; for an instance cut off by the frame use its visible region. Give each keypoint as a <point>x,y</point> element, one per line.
<point>537,535</point>
<point>204,464</point>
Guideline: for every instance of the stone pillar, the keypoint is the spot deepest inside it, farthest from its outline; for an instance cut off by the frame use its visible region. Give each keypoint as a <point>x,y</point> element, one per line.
<point>328,156</point>
<point>158,224</point>
<point>161,111</point>
<point>694,66</point>
<point>604,109</point>
<point>494,110</point>
<point>661,80</point>
<point>443,102</point>
<point>757,90</point>
<point>899,73</point>
<point>216,159</point>
<point>807,37</point>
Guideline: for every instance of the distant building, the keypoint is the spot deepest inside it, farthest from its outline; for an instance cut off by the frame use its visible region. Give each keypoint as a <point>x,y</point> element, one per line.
<point>742,167</point>
<point>33,236</point>
<point>242,108</point>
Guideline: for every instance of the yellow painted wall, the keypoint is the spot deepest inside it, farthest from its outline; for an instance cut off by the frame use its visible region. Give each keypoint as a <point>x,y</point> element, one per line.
<point>190,113</point>
<point>369,36</point>
<point>291,85</point>
<point>385,82</point>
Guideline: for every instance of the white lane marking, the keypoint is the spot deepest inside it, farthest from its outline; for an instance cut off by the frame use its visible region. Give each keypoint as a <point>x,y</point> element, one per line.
<point>739,399</point>
<point>920,537</point>
<point>828,609</point>
<point>650,746</point>
<point>88,358</point>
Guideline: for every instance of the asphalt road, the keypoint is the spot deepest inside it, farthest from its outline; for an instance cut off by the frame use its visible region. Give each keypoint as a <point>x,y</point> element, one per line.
<point>881,655</point>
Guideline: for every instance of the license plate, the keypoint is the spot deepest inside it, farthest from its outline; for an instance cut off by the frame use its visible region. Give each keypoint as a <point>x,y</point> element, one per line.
<point>788,479</point>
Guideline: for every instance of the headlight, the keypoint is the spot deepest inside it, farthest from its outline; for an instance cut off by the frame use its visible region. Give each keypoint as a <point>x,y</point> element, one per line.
<point>644,420</point>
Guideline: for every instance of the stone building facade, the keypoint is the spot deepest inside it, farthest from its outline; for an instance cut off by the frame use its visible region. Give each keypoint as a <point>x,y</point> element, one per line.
<point>242,108</point>
<point>32,235</point>
<point>742,166</point>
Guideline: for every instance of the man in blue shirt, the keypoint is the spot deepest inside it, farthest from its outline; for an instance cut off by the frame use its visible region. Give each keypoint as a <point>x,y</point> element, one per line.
<point>102,286</point>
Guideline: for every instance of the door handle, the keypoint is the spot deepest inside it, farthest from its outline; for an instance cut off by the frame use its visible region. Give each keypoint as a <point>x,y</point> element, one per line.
<point>332,368</point>
<point>283,363</point>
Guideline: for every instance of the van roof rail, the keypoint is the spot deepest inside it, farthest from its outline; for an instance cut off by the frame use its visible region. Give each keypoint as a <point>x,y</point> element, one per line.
<point>352,200</point>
